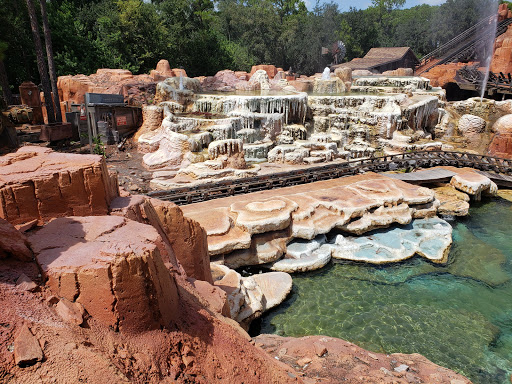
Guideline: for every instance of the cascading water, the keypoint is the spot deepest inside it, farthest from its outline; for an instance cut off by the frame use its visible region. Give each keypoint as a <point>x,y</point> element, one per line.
<point>181,82</point>
<point>489,33</point>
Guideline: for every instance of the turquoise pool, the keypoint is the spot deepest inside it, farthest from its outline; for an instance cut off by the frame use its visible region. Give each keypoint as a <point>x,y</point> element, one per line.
<point>458,315</point>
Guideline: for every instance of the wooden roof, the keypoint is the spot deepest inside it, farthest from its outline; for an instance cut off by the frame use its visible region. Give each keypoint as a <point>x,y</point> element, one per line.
<point>389,53</point>
<point>377,57</point>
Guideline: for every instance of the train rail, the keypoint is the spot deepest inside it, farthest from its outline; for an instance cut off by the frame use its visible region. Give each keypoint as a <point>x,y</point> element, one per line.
<point>410,160</point>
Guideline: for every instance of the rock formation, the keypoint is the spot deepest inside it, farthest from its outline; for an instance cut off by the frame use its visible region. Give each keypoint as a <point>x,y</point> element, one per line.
<point>152,116</point>
<point>112,266</point>
<point>137,89</point>
<point>13,243</point>
<point>30,178</point>
<point>501,144</point>
<point>430,238</point>
<point>502,53</point>
<point>183,236</point>
<point>115,304</point>
<point>325,359</point>
<point>452,202</point>
<point>249,297</point>
<point>258,226</point>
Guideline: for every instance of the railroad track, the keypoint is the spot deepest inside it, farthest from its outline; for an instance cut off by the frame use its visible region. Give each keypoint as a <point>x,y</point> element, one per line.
<point>421,159</point>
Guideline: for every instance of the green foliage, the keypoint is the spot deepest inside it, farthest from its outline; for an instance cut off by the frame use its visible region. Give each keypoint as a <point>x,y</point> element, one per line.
<point>98,148</point>
<point>205,36</point>
<point>3,48</point>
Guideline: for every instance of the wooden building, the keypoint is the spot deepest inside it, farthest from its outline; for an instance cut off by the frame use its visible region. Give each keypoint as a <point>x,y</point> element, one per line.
<point>379,60</point>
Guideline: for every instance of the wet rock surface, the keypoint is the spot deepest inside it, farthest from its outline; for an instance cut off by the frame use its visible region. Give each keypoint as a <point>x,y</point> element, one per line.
<point>430,238</point>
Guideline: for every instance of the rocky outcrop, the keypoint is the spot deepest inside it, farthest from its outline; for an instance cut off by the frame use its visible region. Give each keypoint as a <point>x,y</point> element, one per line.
<point>168,148</point>
<point>261,78</point>
<point>13,243</point>
<point>152,116</point>
<point>471,126</point>
<point>259,225</point>
<point>469,181</point>
<point>452,202</point>
<point>502,53</point>
<point>249,297</point>
<point>27,350</point>
<point>137,89</point>
<point>327,359</point>
<point>185,237</point>
<point>271,70</point>
<point>39,184</point>
<point>203,346</point>
<point>304,255</point>
<point>399,72</point>
<point>443,74</point>
<point>112,266</point>
<point>501,143</point>
<point>334,85</point>
<point>163,71</point>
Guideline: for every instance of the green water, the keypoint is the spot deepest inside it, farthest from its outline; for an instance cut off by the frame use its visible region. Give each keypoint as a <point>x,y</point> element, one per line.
<point>458,315</point>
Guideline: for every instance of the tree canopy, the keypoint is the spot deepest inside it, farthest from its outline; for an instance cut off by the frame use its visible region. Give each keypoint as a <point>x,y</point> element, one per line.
<point>205,36</point>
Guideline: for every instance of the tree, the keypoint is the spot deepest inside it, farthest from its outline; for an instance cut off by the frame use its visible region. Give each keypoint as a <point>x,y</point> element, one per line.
<point>51,63</point>
<point>43,71</point>
<point>4,81</point>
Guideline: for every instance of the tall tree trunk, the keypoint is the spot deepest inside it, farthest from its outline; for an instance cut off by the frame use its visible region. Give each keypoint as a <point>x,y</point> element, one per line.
<point>51,63</point>
<point>41,65</point>
<point>4,83</point>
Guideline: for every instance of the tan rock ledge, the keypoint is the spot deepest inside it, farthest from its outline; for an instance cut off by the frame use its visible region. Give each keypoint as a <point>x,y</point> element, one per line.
<point>355,204</point>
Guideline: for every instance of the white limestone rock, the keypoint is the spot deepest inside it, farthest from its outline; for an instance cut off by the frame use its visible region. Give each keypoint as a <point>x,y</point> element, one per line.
<point>430,238</point>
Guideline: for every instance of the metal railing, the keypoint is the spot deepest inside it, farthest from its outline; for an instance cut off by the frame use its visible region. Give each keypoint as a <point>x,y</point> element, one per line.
<point>459,45</point>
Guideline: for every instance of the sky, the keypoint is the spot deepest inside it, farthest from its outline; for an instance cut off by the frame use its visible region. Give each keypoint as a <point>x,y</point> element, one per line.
<point>344,5</point>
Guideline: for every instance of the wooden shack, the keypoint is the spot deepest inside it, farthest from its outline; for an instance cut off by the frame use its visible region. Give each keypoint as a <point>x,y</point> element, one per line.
<point>379,60</point>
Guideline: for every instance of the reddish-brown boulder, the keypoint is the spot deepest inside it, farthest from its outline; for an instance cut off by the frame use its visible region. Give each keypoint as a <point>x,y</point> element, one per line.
<point>184,237</point>
<point>110,265</point>
<point>188,240</point>
<point>502,58</point>
<point>111,81</point>
<point>270,69</point>
<point>13,243</point>
<point>501,143</point>
<point>179,72</point>
<point>302,85</point>
<point>503,12</point>
<point>215,296</point>
<point>327,359</point>
<point>70,312</point>
<point>39,184</point>
<point>27,350</point>
<point>441,75</point>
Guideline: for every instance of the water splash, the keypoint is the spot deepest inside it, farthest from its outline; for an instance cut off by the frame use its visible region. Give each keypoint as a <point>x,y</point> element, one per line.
<point>489,33</point>
<point>326,74</point>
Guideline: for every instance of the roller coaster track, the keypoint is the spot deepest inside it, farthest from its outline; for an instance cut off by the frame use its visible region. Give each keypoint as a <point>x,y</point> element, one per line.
<point>461,47</point>
<point>500,170</point>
